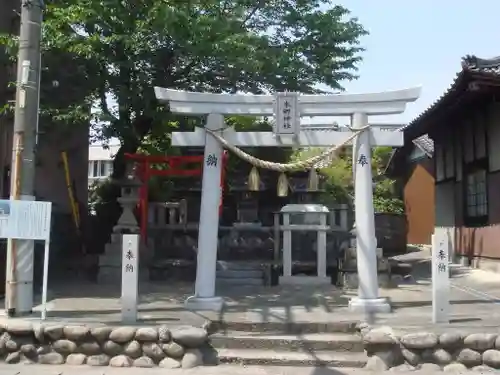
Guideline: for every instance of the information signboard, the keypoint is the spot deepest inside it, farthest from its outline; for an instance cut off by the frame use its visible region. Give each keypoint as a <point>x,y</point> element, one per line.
<point>28,220</point>
<point>25,220</point>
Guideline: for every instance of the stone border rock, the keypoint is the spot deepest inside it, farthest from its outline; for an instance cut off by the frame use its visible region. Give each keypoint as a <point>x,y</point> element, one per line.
<point>450,351</point>
<point>180,347</point>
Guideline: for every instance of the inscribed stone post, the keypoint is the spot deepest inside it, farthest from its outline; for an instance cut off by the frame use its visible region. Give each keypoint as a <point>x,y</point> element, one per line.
<point>440,278</point>
<point>130,277</point>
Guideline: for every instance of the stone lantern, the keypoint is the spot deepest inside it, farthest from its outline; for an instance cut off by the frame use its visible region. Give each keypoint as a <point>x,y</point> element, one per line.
<point>110,261</point>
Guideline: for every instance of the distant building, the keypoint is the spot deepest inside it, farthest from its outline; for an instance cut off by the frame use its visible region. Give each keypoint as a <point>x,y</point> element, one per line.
<point>101,162</point>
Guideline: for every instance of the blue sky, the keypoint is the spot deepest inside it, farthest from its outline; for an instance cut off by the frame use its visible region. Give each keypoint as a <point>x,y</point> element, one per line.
<point>421,42</point>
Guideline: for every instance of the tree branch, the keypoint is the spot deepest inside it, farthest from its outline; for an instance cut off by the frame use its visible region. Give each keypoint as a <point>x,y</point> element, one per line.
<point>185,71</point>
<point>252,13</point>
<point>102,97</point>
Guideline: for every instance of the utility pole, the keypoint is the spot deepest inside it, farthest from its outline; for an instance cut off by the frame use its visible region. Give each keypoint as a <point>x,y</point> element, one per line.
<point>20,253</point>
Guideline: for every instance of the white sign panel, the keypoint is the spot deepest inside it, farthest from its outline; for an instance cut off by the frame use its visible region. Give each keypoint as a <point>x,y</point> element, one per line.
<point>440,278</point>
<point>287,113</point>
<point>130,277</point>
<point>25,220</point>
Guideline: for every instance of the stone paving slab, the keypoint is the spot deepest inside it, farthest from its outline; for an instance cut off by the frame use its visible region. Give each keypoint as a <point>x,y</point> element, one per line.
<point>163,304</point>
<point>218,370</point>
<point>252,357</point>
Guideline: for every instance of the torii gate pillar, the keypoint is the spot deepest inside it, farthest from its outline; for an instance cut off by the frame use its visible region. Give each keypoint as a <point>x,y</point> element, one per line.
<point>368,299</point>
<point>204,297</point>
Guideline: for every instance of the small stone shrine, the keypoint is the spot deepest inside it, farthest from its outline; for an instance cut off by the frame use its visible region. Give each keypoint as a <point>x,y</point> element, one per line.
<point>314,219</point>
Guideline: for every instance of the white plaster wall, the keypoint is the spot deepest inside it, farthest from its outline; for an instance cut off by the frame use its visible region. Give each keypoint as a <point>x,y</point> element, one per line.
<point>98,152</point>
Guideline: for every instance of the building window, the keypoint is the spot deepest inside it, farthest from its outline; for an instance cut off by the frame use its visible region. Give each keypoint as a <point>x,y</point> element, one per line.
<point>476,195</point>
<point>416,154</point>
<point>100,168</point>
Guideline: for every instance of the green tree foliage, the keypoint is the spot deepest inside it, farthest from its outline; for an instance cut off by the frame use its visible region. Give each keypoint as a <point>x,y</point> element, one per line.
<point>121,49</point>
<point>338,179</point>
<point>130,46</point>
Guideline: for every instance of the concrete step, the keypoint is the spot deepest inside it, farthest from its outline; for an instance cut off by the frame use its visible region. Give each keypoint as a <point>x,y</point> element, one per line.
<point>239,274</point>
<point>340,342</point>
<point>240,281</point>
<point>238,266</point>
<point>250,357</point>
<point>286,327</point>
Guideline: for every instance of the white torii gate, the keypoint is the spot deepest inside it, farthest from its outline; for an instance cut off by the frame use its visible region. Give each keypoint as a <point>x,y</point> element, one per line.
<point>287,132</point>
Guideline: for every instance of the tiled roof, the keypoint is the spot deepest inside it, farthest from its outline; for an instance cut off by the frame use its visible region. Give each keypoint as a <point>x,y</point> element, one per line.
<point>472,68</point>
<point>473,63</point>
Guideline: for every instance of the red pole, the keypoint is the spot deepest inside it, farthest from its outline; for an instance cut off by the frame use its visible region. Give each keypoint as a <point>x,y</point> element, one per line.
<point>144,200</point>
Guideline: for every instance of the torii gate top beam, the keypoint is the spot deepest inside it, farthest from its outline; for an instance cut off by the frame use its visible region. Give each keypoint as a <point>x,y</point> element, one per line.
<point>383,103</point>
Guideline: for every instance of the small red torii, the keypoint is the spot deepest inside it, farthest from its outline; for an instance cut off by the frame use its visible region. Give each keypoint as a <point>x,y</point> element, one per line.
<point>177,167</point>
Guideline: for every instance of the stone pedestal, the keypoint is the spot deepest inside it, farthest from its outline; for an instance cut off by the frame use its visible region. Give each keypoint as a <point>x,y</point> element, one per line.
<point>351,279</point>
<point>305,280</point>
<point>368,306</point>
<point>195,303</point>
